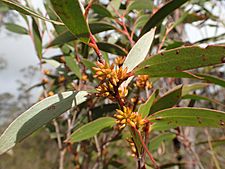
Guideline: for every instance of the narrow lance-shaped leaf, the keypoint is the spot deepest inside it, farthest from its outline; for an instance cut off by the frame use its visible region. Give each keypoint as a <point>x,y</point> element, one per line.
<point>140,5</point>
<point>144,109</point>
<point>70,12</point>
<point>104,110</point>
<point>156,141</point>
<point>139,51</point>
<point>161,14</point>
<point>27,11</point>
<point>52,62</point>
<point>91,129</point>
<point>37,116</point>
<point>197,97</point>
<point>195,117</point>
<point>191,87</point>
<point>113,6</point>
<point>37,38</point>
<point>89,64</point>
<point>180,59</point>
<point>16,28</point>
<point>212,79</point>
<point>141,21</point>
<point>204,77</point>
<point>101,10</point>
<point>97,27</point>
<point>215,143</point>
<point>61,39</point>
<point>67,36</point>
<point>112,48</point>
<point>73,65</point>
<point>168,100</point>
<point>211,39</point>
<point>52,15</point>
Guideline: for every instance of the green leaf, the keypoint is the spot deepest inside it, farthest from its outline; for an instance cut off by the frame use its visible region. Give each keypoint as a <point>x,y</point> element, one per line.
<point>37,116</point>
<point>52,62</point>
<point>97,27</point>
<point>71,14</point>
<point>141,21</point>
<point>212,79</point>
<point>177,60</point>
<point>67,36</point>
<point>89,64</point>
<point>91,129</point>
<point>144,109</point>
<point>73,65</point>
<point>139,51</point>
<point>111,48</point>
<point>197,97</point>
<point>52,15</point>
<point>104,110</point>
<point>37,38</point>
<point>193,17</point>
<point>195,117</point>
<point>3,8</point>
<point>16,28</point>
<point>61,39</point>
<point>114,5</point>
<point>101,10</point>
<point>140,5</point>
<point>168,100</point>
<point>211,39</point>
<point>27,11</point>
<point>204,77</point>
<point>215,143</point>
<point>156,141</point>
<point>195,86</point>
<point>175,74</point>
<point>173,44</point>
<point>161,14</point>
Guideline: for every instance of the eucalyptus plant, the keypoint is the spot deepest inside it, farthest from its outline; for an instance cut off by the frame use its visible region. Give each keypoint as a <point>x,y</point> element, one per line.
<point>124,79</point>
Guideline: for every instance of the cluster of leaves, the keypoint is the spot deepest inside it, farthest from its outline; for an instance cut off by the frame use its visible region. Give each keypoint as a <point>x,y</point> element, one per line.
<point>138,33</point>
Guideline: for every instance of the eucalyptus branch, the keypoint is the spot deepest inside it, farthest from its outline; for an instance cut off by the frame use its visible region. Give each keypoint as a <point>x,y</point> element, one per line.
<point>146,148</point>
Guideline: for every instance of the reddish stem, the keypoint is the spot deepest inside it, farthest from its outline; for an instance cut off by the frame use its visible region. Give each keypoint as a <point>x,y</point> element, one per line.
<point>94,45</point>
<point>118,98</point>
<point>87,9</point>
<point>145,147</point>
<point>122,23</point>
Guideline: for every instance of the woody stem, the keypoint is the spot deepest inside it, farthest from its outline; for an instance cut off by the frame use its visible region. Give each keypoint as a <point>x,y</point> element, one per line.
<point>145,147</point>
<point>94,45</point>
<point>118,98</point>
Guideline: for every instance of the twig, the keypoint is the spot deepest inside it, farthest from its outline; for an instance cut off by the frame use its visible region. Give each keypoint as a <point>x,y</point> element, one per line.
<point>87,9</point>
<point>98,147</point>
<point>94,45</point>
<point>123,24</point>
<point>92,42</point>
<point>60,146</point>
<point>164,38</point>
<point>145,148</point>
<point>147,135</point>
<point>217,165</point>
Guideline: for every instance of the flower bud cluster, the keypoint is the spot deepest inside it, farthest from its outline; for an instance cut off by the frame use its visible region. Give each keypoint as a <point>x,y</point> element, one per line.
<point>119,61</point>
<point>132,147</point>
<point>110,77</point>
<point>127,117</point>
<point>143,82</point>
